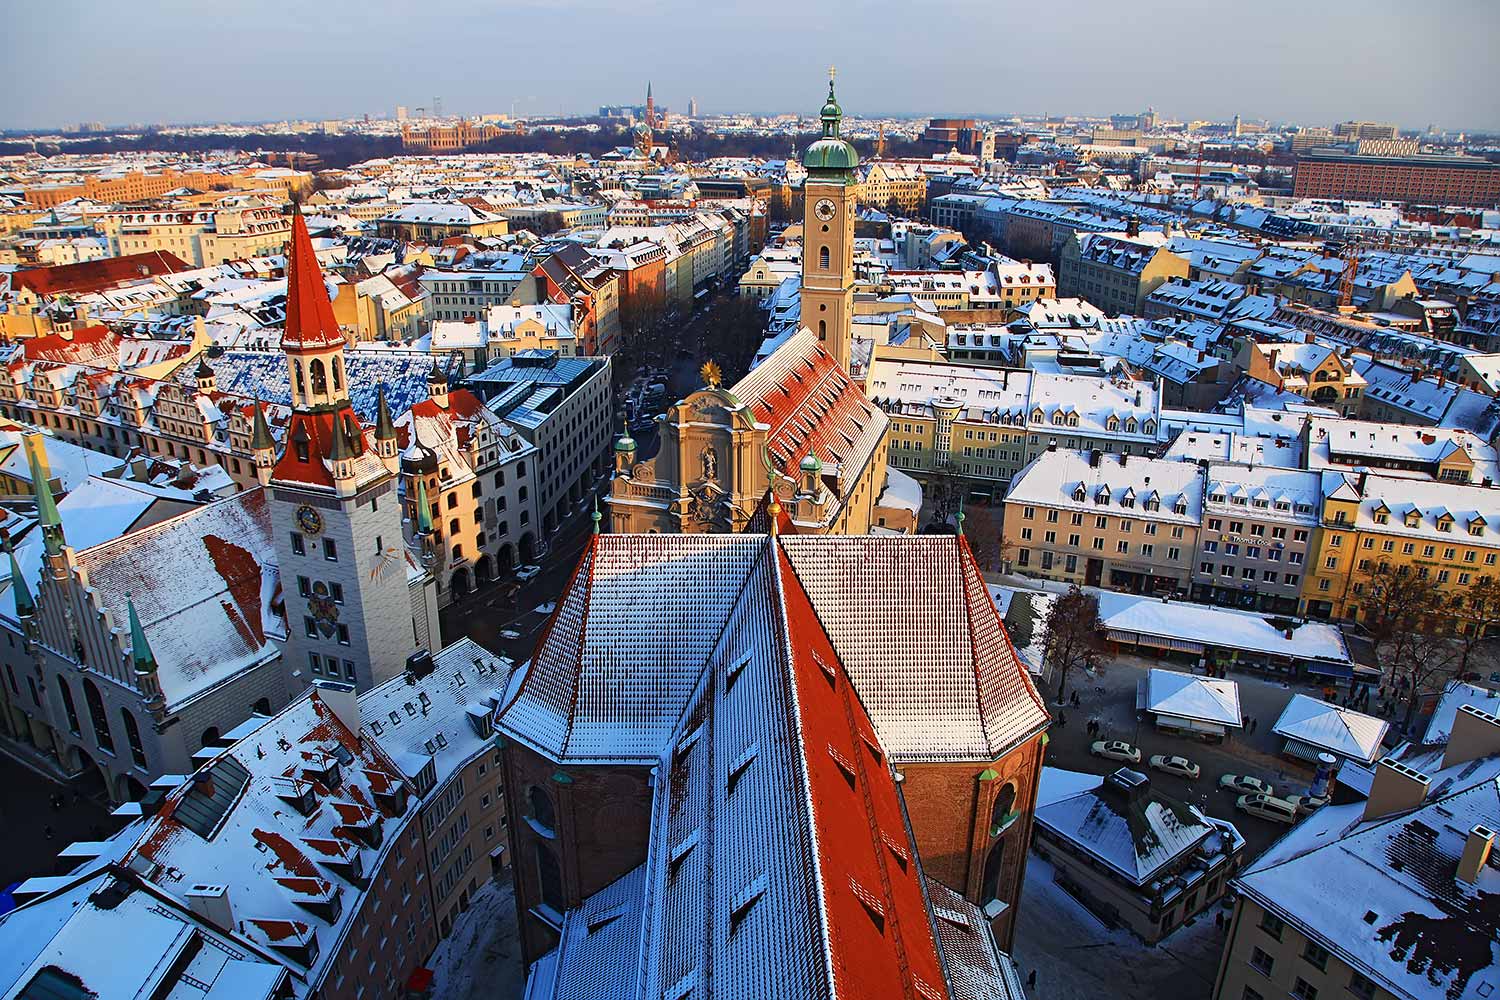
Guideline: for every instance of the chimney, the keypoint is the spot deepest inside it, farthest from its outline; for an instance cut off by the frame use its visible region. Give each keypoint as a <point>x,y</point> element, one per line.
<point>1093,458</point>
<point>211,902</point>
<point>1475,734</point>
<point>1476,853</point>
<point>340,698</point>
<point>1396,788</point>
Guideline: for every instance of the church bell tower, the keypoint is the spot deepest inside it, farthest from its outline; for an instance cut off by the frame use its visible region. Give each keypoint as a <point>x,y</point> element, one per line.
<point>828,204</point>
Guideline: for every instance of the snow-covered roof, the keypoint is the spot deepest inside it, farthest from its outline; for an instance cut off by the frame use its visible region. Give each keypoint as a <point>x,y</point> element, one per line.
<point>1382,894</point>
<point>1226,628</point>
<point>578,701</point>
<point>1455,695</point>
<point>901,491</point>
<point>1187,696</point>
<point>1120,821</point>
<point>1340,731</point>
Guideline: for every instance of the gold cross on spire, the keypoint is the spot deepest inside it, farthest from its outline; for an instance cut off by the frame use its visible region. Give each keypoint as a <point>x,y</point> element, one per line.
<point>832,72</point>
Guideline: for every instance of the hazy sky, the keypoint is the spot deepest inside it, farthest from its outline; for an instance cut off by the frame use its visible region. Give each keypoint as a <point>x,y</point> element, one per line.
<point>1306,60</point>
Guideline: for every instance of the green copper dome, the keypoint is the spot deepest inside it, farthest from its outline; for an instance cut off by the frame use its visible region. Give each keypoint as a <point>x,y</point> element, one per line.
<point>831,153</point>
<point>626,443</point>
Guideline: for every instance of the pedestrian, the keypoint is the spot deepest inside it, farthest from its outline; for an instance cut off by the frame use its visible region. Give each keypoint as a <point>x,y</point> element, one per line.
<point>1062,720</point>
<point>47,833</point>
<point>1031,980</point>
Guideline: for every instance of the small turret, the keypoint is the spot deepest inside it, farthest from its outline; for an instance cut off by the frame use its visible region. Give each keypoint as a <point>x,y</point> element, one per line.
<point>437,385</point>
<point>262,445</point>
<point>46,506</point>
<point>25,603</point>
<point>625,454</point>
<point>343,450</point>
<point>144,663</point>
<point>386,445</point>
<point>204,376</point>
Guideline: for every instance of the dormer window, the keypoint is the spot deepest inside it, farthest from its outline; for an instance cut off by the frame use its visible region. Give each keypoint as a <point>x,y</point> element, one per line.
<point>1079,493</point>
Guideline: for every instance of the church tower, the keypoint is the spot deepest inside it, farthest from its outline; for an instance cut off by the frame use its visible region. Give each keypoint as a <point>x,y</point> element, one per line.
<point>828,235</point>
<point>339,546</point>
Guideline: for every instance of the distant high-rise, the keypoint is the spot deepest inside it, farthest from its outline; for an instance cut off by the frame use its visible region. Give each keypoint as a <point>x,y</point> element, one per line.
<point>1365,130</point>
<point>692,107</point>
<point>401,113</point>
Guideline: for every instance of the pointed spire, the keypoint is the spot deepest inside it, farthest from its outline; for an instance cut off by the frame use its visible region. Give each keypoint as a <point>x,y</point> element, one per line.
<point>310,322</point>
<point>140,651</point>
<point>342,449</point>
<point>46,506</point>
<point>260,433</point>
<point>960,516</point>
<point>385,427</point>
<point>25,604</point>
<point>424,514</point>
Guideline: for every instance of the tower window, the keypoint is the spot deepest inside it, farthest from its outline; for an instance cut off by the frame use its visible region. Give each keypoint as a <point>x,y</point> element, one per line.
<point>822,258</point>
<point>822,329</point>
<point>318,377</point>
<point>297,546</point>
<point>330,550</point>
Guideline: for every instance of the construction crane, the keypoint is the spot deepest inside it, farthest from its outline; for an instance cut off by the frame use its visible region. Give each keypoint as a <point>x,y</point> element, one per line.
<point>1346,280</point>
<point>1198,173</point>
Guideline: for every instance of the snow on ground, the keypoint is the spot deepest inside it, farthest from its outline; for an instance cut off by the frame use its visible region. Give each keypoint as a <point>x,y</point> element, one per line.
<point>1075,955</point>
<point>481,959</point>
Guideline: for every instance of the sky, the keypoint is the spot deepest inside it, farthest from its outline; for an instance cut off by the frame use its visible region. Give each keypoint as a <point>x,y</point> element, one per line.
<point>175,61</point>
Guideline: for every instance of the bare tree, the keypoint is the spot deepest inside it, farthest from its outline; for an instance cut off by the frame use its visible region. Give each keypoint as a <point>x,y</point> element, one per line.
<point>945,488</point>
<point>1073,639</point>
<point>1479,612</point>
<point>1411,622</point>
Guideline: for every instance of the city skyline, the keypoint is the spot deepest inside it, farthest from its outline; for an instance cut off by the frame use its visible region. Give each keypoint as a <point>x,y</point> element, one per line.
<point>336,67</point>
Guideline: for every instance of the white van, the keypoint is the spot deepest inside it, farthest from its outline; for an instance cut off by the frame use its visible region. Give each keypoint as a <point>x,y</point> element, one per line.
<point>1267,807</point>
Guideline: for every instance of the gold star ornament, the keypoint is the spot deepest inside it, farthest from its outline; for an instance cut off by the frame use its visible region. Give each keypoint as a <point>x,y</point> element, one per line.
<point>711,374</point>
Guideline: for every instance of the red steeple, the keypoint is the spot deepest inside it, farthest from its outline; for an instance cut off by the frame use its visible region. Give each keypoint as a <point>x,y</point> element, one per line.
<point>310,324</point>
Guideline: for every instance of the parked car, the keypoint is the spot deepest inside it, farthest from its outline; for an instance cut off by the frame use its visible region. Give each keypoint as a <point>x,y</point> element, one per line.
<point>1305,804</point>
<point>509,633</point>
<point>1180,766</point>
<point>530,572</point>
<point>1116,750</point>
<point>1245,784</point>
<point>1267,807</point>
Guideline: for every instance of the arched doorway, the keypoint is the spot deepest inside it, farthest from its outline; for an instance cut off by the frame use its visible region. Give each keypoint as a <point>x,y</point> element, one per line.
<point>484,570</point>
<point>89,779</point>
<point>460,582</point>
<point>505,559</point>
<point>994,865</point>
<point>528,547</point>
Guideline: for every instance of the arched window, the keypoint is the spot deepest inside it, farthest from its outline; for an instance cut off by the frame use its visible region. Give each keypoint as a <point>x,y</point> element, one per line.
<point>822,329</point>
<point>549,877</point>
<point>338,374</point>
<point>301,380</point>
<point>543,816</point>
<point>97,716</point>
<point>262,707</point>
<point>133,737</point>
<point>994,863</point>
<point>823,258</point>
<point>1004,803</point>
<point>318,376</point>
<point>72,709</point>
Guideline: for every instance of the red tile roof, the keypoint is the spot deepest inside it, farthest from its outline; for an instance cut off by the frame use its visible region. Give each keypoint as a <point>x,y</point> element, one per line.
<point>310,323</point>
<point>317,430</point>
<point>97,275</point>
<point>84,346</point>
<point>880,939</point>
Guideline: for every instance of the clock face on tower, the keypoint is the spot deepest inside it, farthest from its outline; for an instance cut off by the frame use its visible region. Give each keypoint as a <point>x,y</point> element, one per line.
<point>309,520</point>
<point>825,209</point>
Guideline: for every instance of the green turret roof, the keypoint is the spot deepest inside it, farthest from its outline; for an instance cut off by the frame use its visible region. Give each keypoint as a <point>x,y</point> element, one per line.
<point>25,604</point>
<point>260,434</point>
<point>140,651</point>
<point>424,515</point>
<point>830,154</point>
<point>385,427</point>
<point>46,505</point>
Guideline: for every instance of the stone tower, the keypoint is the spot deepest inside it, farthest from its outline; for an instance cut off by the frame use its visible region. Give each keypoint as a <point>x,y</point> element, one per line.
<point>343,561</point>
<point>828,235</point>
